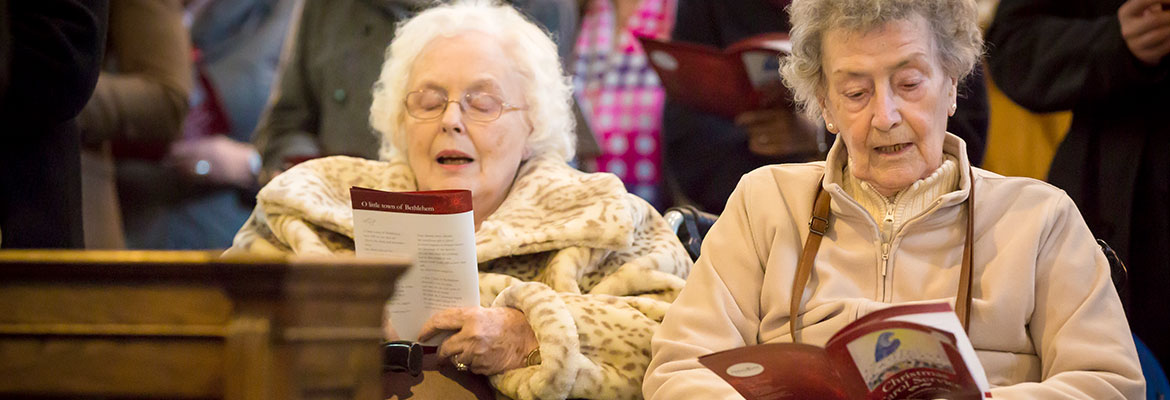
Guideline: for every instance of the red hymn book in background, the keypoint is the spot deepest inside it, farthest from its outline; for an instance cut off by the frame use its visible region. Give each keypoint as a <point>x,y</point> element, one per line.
<point>743,77</point>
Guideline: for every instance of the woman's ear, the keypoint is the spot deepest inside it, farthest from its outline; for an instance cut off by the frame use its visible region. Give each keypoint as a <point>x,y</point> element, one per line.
<point>527,146</point>
<point>828,118</point>
<point>954,97</point>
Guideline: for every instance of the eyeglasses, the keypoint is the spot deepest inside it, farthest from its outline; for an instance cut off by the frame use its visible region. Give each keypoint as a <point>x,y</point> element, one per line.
<point>427,104</point>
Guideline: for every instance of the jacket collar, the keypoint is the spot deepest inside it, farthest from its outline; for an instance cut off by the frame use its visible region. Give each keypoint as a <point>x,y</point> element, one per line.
<point>838,156</point>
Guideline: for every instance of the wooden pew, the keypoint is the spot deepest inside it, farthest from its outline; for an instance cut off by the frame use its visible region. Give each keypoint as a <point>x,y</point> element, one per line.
<point>191,325</point>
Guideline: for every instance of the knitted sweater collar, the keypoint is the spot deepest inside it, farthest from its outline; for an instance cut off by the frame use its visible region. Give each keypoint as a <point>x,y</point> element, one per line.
<point>891,213</point>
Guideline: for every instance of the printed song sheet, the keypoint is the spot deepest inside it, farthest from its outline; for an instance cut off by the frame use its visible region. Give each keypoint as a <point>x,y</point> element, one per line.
<point>437,230</point>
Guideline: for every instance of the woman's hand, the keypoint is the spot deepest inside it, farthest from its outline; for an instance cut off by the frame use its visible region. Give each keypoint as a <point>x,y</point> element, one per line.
<point>216,159</point>
<point>778,132</point>
<point>1145,26</point>
<point>489,340</point>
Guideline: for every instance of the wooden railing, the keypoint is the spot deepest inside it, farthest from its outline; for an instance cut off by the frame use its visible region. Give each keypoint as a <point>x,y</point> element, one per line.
<point>133,324</point>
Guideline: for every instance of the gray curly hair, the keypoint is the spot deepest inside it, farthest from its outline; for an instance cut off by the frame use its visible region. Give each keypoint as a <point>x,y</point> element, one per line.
<point>547,89</point>
<point>954,24</point>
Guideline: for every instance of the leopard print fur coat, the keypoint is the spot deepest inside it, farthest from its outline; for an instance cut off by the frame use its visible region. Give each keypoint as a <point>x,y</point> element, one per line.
<point>592,267</point>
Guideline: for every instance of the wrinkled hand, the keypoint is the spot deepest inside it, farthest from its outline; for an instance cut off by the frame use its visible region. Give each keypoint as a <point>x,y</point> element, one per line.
<point>777,132</point>
<point>489,340</point>
<point>216,159</point>
<point>1145,26</point>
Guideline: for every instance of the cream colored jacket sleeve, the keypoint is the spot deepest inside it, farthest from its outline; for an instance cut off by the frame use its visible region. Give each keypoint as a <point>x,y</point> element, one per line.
<point>718,309</point>
<point>1078,326</point>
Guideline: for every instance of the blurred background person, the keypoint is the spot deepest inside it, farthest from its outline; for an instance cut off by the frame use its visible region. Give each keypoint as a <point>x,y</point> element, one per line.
<point>706,154</point>
<point>1019,142</point>
<point>320,105</point>
<point>136,110</point>
<point>1105,61</point>
<point>620,93</point>
<point>50,57</point>
<point>320,102</point>
<point>205,187</point>
<point>559,17</point>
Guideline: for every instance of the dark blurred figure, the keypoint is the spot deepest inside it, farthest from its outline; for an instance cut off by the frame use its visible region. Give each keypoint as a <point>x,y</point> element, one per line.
<point>558,17</point>
<point>321,103</point>
<point>50,56</point>
<point>561,19</point>
<point>705,154</point>
<point>136,111</point>
<point>204,189</point>
<point>1106,61</point>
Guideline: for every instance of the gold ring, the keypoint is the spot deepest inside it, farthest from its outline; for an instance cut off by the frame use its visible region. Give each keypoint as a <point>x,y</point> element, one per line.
<point>458,365</point>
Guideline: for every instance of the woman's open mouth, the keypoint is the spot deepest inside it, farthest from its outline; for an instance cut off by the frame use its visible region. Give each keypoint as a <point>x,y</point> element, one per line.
<point>891,149</point>
<point>453,158</point>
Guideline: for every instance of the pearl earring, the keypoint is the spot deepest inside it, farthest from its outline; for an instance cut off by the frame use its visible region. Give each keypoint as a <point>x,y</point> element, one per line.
<point>954,107</point>
<point>830,127</point>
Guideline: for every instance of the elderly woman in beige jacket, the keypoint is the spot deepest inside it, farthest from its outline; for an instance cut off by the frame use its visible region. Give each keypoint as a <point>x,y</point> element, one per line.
<point>1045,319</point>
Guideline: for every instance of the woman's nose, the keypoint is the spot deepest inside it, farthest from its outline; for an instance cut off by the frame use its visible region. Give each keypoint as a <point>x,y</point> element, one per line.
<point>886,115</point>
<point>453,118</point>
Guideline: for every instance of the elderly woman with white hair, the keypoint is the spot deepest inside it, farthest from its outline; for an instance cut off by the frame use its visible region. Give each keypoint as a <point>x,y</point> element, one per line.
<point>572,267</point>
<point>900,216</point>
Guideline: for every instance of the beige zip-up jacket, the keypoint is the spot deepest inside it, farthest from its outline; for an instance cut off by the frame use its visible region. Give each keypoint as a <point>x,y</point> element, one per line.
<point>1046,321</point>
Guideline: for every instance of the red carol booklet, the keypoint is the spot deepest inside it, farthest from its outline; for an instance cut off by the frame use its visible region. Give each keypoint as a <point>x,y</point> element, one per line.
<point>916,351</point>
<point>723,82</point>
<point>435,228</point>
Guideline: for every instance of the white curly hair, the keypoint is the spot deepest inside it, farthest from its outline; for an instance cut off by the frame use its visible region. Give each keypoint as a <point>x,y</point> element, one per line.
<point>954,26</point>
<point>548,92</point>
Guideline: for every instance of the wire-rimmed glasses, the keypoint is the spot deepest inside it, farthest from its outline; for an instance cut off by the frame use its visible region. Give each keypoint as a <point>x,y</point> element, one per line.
<point>428,104</point>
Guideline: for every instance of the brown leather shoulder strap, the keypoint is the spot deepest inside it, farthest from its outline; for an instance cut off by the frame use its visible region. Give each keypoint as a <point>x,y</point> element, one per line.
<point>963,297</point>
<point>817,226</point>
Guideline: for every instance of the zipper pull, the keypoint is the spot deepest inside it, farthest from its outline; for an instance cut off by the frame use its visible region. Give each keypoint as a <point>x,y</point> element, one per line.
<point>885,257</point>
<point>890,215</point>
